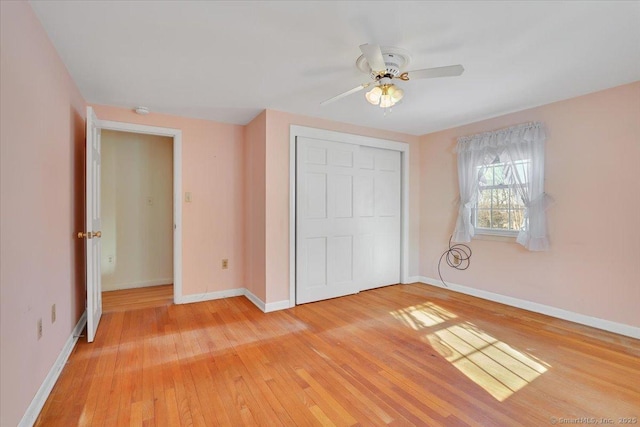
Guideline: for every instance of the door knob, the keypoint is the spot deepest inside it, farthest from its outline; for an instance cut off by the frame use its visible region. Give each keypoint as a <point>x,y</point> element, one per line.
<point>89,234</point>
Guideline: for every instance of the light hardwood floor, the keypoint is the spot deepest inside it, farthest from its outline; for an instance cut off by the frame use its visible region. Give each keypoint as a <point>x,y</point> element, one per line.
<point>400,355</point>
<point>134,299</point>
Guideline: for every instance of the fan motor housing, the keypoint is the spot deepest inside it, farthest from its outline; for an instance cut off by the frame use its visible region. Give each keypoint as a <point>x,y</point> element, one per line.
<point>395,60</point>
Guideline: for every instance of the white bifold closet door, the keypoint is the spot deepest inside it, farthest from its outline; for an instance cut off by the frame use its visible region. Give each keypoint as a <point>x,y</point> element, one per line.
<point>347,218</point>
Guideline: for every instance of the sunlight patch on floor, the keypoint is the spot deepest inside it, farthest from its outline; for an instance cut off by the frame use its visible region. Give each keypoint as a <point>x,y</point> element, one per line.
<point>423,315</point>
<point>492,364</point>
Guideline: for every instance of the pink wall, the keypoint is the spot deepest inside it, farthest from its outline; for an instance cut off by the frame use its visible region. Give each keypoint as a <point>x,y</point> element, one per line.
<point>592,158</point>
<point>255,191</point>
<point>42,185</point>
<point>213,171</point>
<point>277,193</point>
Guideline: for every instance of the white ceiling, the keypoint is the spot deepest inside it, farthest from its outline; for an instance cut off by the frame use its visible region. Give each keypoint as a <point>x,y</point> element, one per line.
<point>227,61</point>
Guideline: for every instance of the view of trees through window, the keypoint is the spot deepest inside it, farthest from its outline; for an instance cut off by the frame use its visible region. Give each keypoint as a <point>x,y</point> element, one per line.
<point>499,207</point>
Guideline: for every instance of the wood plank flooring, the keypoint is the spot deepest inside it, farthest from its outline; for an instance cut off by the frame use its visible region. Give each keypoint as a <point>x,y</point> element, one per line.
<point>136,298</point>
<point>400,355</point>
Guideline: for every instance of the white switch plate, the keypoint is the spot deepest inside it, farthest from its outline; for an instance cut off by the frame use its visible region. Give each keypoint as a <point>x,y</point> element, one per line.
<point>187,197</point>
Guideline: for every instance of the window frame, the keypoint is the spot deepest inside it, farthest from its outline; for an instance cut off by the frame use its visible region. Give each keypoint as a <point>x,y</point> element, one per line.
<point>502,232</point>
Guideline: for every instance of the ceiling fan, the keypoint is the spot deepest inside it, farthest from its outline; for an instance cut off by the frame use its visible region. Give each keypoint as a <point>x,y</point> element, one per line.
<point>384,64</point>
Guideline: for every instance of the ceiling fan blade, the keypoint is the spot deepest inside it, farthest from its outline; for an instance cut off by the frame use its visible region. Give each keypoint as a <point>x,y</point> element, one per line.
<point>429,73</point>
<point>347,93</point>
<point>374,57</point>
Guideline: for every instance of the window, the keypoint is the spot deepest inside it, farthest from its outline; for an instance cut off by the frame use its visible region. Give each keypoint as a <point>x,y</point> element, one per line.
<point>499,209</point>
<point>501,180</point>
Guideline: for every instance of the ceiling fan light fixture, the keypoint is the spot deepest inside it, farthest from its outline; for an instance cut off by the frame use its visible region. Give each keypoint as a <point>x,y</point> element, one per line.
<point>383,64</point>
<point>384,96</point>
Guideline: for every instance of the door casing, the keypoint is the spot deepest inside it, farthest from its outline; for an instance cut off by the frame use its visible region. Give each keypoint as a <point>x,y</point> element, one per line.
<point>176,134</point>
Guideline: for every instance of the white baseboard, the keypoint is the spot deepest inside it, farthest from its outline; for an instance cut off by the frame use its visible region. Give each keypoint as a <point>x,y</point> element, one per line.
<point>133,285</point>
<point>207,296</point>
<point>41,396</point>
<point>412,279</point>
<point>278,305</point>
<point>264,307</point>
<point>255,300</point>
<point>607,325</point>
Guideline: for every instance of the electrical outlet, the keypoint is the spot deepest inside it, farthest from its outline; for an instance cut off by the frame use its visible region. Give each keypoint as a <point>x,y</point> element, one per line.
<point>456,259</point>
<point>53,313</point>
<point>110,259</point>
<point>225,264</point>
<point>187,197</point>
<point>39,328</point>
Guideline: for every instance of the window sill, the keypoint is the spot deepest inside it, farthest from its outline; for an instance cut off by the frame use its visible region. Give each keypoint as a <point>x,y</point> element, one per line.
<point>495,237</point>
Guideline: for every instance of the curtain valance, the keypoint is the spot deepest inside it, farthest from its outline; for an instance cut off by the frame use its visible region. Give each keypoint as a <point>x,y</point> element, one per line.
<point>519,134</point>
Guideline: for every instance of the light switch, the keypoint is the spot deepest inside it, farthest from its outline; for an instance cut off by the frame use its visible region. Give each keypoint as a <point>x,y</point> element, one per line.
<point>187,197</point>
<point>149,201</point>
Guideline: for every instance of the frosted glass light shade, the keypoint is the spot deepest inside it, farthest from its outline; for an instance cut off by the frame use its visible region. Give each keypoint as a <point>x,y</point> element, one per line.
<point>373,96</point>
<point>397,95</point>
<point>385,101</point>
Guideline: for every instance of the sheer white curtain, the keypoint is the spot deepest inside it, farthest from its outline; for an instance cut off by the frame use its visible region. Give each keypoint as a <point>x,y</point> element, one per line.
<point>468,163</point>
<point>522,149</point>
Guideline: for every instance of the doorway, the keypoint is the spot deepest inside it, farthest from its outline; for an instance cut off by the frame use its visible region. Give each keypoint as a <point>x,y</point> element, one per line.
<point>136,211</point>
<point>176,136</point>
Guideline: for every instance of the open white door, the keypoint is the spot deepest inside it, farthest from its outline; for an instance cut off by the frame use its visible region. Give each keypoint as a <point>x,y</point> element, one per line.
<point>93,224</point>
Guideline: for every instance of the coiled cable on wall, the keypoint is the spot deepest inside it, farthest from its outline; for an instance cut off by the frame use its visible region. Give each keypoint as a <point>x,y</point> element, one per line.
<point>458,256</point>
